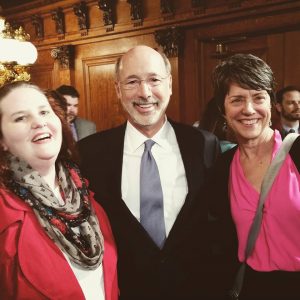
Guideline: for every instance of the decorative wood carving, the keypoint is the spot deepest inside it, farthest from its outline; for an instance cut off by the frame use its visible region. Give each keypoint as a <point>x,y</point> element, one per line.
<point>167,9</point>
<point>108,8</point>
<point>81,12</point>
<point>59,17</point>
<point>235,3</point>
<point>38,23</point>
<point>136,12</point>
<point>64,55</point>
<point>170,39</point>
<point>198,6</point>
<point>15,24</point>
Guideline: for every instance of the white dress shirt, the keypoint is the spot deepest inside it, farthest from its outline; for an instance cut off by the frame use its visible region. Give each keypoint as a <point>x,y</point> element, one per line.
<point>170,166</point>
<point>287,129</point>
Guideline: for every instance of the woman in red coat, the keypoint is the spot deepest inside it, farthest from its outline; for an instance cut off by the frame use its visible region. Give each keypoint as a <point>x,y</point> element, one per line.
<point>55,240</point>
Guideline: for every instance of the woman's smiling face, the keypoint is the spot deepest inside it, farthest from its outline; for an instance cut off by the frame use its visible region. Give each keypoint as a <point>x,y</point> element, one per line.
<point>30,129</point>
<point>247,112</point>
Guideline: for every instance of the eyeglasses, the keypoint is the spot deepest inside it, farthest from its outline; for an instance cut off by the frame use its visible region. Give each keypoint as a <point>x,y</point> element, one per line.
<point>134,83</point>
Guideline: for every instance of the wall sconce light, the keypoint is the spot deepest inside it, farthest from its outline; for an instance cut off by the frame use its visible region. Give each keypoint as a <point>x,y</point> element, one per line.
<point>16,53</point>
<point>222,51</point>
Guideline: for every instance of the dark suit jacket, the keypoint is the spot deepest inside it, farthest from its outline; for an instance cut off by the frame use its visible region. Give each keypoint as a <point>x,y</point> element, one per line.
<point>146,272</point>
<point>279,127</point>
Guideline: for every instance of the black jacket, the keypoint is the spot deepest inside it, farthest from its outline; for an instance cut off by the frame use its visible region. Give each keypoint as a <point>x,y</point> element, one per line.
<point>178,271</point>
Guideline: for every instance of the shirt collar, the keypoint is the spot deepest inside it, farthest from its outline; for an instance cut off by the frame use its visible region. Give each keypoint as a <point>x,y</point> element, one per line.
<point>287,129</point>
<point>134,138</point>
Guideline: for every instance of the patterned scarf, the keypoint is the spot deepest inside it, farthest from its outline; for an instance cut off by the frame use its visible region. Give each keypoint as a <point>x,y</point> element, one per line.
<point>58,220</point>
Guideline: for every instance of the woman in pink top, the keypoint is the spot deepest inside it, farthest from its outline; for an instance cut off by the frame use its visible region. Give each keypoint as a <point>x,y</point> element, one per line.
<point>243,89</point>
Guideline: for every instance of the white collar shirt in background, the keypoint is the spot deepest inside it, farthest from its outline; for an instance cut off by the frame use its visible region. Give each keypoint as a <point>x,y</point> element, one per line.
<point>287,129</point>
<point>170,166</point>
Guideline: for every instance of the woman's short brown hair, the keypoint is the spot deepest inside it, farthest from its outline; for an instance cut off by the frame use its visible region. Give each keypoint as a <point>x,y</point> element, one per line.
<point>247,71</point>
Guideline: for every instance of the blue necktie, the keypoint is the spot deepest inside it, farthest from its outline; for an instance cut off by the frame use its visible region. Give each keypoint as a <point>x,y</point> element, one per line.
<point>151,197</point>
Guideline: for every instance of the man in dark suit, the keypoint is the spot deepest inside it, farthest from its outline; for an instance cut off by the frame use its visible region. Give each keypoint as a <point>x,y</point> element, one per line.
<point>81,128</point>
<point>288,107</point>
<point>174,267</point>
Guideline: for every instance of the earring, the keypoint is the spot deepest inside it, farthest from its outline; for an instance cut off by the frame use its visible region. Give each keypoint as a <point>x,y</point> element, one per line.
<point>270,123</point>
<point>3,148</point>
<point>224,126</point>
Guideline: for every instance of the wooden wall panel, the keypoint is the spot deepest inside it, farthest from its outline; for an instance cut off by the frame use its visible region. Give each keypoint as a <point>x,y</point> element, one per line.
<point>44,72</point>
<point>276,45</point>
<point>292,58</point>
<point>101,103</point>
<point>269,29</point>
<point>42,76</point>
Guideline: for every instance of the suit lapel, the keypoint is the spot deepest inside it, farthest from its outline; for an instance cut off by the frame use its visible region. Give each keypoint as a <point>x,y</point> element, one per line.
<point>116,153</point>
<point>80,128</point>
<point>191,157</point>
<point>187,153</point>
<point>77,128</point>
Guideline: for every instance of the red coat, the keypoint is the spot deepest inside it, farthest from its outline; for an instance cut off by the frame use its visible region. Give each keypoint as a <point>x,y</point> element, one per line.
<point>31,265</point>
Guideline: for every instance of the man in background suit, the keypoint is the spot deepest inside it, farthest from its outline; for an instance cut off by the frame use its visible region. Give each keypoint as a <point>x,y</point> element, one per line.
<point>288,107</point>
<point>112,160</point>
<point>80,127</point>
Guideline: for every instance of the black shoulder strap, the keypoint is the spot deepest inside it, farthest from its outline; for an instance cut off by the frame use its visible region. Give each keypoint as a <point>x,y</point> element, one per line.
<point>295,153</point>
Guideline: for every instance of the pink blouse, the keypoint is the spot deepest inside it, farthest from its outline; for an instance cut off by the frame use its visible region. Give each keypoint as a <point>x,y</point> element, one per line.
<point>278,244</point>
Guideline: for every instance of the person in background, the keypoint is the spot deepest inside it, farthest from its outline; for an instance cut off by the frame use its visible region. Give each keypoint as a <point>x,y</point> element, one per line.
<point>81,128</point>
<point>55,240</point>
<point>152,195</point>
<point>288,107</point>
<point>213,121</point>
<point>243,89</point>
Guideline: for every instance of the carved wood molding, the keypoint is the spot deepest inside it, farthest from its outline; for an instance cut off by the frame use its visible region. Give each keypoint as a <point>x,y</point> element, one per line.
<point>235,3</point>
<point>58,17</point>
<point>167,9</point>
<point>136,12</point>
<point>81,12</point>
<point>38,23</point>
<point>108,8</point>
<point>64,55</point>
<point>171,40</point>
<point>198,6</point>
